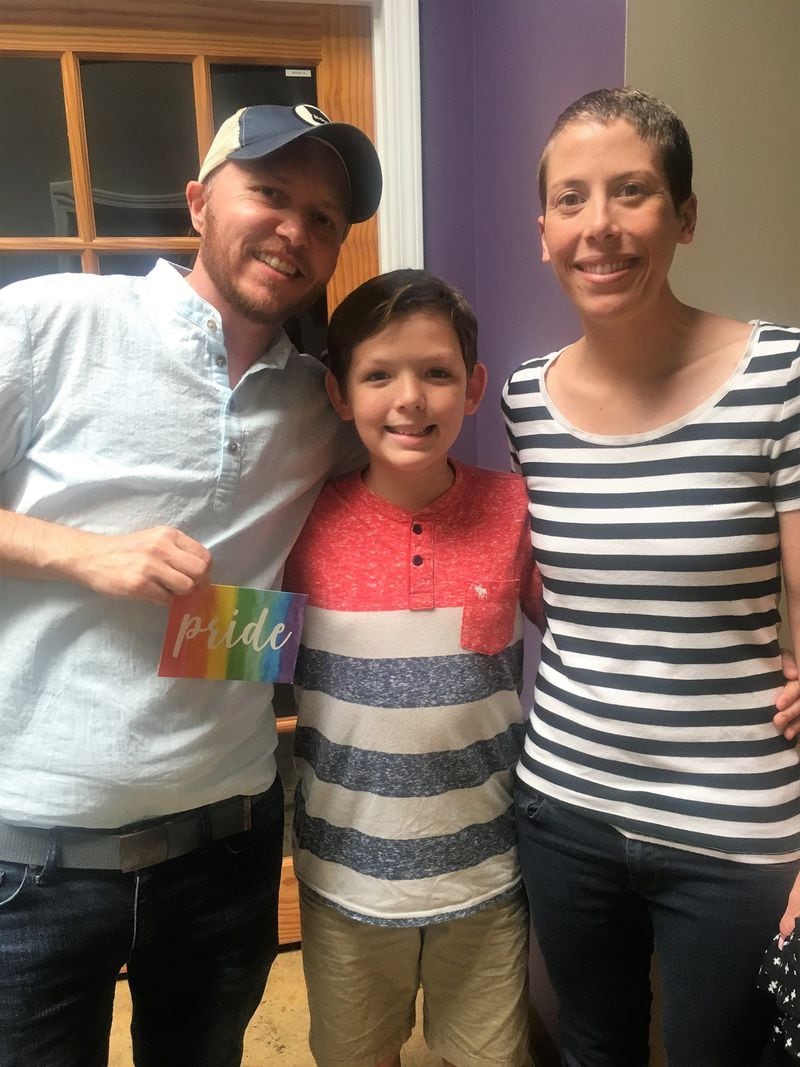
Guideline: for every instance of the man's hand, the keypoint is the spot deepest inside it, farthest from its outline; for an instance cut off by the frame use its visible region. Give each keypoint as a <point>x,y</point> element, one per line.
<point>787,718</point>
<point>155,564</point>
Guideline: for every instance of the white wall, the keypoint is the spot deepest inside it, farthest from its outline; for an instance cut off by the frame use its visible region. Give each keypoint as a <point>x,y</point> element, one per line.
<point>730,70</point>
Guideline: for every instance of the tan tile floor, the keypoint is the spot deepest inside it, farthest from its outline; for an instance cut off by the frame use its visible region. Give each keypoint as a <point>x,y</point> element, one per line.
<point>277,1033</point>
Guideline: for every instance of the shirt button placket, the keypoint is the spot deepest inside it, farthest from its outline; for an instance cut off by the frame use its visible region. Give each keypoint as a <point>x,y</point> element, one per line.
<point>420,566</point>
<point>231,426</point>
<point>219,357</point>
<point>232,453</point>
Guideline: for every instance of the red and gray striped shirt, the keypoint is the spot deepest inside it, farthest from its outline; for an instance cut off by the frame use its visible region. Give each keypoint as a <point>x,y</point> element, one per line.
<point>410,721</point>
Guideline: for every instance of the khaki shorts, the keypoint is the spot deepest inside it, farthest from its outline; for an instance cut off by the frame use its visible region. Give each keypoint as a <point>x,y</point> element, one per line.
<point>363,981</point>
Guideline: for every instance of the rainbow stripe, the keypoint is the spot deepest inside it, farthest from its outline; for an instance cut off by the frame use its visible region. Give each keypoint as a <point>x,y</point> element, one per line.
<point>228,631</point>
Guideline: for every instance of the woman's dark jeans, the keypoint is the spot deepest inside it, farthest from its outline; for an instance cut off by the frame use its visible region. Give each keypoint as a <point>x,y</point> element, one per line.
<point>601,903</point>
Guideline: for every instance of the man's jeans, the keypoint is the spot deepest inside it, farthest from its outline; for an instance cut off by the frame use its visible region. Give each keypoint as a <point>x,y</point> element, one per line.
<point>600,902</point>
<point>198,934</point>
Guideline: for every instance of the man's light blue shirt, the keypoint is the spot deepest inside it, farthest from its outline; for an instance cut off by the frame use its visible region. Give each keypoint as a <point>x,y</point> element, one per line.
<point>117,415</point>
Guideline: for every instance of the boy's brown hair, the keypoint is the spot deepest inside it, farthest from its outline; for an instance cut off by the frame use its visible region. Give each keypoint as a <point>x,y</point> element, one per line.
<point>388,297</point>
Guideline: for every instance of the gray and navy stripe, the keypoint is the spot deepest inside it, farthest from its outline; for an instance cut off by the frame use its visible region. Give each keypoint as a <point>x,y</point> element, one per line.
<point>403,810</point>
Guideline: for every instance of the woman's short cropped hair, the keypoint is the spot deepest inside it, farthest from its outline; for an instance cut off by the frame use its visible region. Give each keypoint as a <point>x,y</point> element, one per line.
<point>653,120</point>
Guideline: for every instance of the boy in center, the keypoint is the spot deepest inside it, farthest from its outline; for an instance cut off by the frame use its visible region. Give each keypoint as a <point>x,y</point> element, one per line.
<point>418,570</point>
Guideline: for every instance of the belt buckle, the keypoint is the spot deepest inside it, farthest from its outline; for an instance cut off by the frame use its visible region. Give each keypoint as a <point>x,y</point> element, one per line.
<point>144,848</point>
<point>232,816</point>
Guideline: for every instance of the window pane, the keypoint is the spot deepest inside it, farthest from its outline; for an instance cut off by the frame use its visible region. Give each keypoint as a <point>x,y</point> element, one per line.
<point>140,128</point>
<point>14,266</point>
<point>141,262</point>
<point>235,85</point>
<point>34,154</point>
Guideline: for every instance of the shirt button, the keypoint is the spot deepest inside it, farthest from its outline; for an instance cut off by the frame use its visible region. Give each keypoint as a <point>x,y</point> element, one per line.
<point>417,561</point>
<point>233,447</point>
<point>211,325</point>
<point>220,361</point>
<point>416,528</point>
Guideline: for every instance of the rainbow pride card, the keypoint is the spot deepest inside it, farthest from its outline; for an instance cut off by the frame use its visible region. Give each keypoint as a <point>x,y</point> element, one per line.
<point>229,631</point>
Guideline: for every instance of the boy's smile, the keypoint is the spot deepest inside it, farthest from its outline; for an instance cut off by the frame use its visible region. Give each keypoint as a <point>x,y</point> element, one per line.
<point>408,391</point>
<point>407,431</point>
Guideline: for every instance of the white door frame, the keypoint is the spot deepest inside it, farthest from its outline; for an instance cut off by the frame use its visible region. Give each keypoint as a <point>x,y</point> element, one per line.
<point>395,46</point>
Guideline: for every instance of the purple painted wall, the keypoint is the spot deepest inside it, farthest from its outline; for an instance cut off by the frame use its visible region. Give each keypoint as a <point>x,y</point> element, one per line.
<point>495,74</point>
<point>447,86</point>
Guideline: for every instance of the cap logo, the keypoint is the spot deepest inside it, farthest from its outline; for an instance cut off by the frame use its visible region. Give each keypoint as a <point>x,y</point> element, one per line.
<point>311,115</point>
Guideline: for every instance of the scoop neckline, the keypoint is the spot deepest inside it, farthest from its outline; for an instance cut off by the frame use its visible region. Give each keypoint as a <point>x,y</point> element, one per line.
<point>657,432</point>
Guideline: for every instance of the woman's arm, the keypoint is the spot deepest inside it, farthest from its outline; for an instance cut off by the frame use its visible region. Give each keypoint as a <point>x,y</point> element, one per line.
<point>790,563</point>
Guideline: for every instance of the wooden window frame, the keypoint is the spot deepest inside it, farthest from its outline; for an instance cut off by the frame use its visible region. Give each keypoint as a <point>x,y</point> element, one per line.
<point>334,40</point>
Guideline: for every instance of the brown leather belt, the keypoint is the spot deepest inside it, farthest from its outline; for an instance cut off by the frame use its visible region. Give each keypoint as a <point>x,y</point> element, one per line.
<point>130,848</point>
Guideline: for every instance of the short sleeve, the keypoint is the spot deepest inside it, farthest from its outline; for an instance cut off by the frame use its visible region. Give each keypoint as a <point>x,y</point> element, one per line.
<point>515,463</point>
<point>785,451</point>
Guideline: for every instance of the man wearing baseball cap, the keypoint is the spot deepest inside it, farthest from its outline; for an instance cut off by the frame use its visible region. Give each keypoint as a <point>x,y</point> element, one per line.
<point>159,433</point>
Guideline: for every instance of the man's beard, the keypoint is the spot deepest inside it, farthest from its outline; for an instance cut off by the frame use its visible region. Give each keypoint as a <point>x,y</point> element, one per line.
<point>248,306</point>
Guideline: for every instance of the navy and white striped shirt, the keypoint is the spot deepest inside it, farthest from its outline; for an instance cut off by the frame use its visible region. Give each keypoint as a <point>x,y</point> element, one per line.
<point>660,561</point>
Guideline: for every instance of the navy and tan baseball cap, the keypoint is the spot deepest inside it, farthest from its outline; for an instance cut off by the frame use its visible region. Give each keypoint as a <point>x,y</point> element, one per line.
<point>255,132</point>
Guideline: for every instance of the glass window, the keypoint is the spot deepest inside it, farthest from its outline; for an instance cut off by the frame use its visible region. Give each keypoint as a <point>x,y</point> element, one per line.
<point>142,140</point>
<point>235,85</point>
<point>140,263</point>
<point>136,114</point>
<point>34,153</point>
<point>14,266</point>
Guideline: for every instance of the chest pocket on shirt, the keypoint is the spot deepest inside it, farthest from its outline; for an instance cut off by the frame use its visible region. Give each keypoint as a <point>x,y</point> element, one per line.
<point>490,610</point>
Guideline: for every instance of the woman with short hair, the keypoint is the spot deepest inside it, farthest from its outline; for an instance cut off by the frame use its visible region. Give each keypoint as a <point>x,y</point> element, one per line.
<point>658,803</point>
